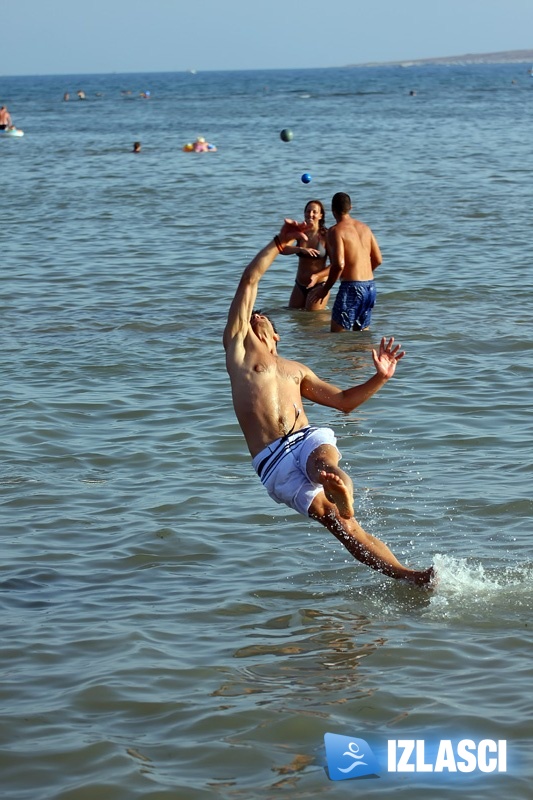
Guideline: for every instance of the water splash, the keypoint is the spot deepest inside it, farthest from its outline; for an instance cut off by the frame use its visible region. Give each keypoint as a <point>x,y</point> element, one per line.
<point>464,587</point>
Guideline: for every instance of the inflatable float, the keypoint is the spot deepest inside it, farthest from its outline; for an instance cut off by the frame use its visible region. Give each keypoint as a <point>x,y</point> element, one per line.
<point>12,132</point>
<point>199,146</point>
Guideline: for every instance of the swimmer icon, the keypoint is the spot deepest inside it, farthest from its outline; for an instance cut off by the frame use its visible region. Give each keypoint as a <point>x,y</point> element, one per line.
<point>349,757</point>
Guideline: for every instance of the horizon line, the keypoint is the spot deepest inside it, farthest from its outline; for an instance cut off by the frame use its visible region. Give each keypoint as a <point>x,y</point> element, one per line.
<point>500,56</point>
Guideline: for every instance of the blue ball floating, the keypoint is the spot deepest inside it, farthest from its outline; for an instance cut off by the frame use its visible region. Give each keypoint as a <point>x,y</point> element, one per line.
<point>306,178</point>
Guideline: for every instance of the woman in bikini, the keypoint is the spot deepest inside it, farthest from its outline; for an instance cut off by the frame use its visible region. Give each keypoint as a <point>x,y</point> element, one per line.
<point>312,270</point>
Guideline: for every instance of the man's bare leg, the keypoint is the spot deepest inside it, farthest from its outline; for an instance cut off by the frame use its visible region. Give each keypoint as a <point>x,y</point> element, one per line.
<point>331,508</point>
<point>366,548</point>
<point>322,467</point>
<point>336,328</point>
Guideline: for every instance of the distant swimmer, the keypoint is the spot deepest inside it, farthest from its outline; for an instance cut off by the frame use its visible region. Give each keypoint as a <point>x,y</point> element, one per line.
<point>201,146</point>
<point>66,97</point>
<point>296,462</point>
<point>5,119</point>
<point>81,94</point>
<point>312,253</point>
<point>354,254</point>
<point>136,147</point>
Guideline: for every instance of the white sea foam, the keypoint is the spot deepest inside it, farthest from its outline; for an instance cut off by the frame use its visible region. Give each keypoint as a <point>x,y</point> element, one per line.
<point>464,586</point>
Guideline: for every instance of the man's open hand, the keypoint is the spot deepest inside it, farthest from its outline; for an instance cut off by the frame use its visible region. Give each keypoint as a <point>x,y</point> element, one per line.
<point>291,230</point>
<point>388,356</point>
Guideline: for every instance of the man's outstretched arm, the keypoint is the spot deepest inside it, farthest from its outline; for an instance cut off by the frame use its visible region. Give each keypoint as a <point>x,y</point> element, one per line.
<point>319,391</point>
<point>243,303</point>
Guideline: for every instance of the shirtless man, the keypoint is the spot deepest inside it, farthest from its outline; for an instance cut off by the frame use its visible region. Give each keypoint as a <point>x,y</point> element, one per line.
<point>298,463</point>
<point>5,119</point>
<point>354,255</point>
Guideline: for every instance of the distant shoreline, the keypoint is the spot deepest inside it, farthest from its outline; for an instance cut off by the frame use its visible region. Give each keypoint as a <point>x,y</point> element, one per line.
<point>504,57</point>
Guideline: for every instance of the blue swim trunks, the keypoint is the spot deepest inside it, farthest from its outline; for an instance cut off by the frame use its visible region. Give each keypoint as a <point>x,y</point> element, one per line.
<point>353,304</point>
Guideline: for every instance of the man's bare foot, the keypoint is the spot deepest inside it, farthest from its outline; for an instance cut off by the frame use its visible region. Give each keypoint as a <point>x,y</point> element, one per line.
<point>423,577</point>
<point>338,493</point>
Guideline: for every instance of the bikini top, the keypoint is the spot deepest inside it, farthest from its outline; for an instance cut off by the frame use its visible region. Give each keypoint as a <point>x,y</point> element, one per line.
<point>322,252</point>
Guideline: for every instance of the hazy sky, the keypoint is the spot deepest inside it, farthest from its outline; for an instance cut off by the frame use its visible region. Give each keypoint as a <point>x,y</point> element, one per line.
<point>71,37</point>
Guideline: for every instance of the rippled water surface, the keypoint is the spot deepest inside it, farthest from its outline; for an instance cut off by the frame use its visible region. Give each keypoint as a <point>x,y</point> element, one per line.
<point>167,631</point>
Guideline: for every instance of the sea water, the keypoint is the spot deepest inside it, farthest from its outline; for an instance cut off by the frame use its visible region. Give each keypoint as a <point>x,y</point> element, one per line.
<point>167,630</point>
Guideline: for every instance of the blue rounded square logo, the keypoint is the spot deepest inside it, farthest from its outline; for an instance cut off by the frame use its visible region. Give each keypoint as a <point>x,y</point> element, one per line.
<point>348,757</point>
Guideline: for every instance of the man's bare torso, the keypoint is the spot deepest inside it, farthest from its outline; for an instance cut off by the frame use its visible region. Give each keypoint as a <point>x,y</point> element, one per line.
<point>266,396</point>
<point>355,243</point>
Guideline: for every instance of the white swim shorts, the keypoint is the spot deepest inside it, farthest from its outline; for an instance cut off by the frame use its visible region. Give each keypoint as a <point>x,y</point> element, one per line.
<point>282,467</point>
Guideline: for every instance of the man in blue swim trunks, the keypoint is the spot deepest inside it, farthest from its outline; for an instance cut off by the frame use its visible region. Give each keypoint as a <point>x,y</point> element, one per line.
<point>297,463</point>
<point>354,255</point>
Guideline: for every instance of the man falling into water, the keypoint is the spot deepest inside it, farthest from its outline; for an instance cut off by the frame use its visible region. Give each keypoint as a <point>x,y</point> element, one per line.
<point>298,463</point>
